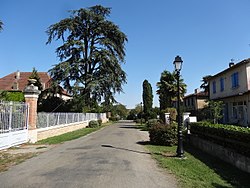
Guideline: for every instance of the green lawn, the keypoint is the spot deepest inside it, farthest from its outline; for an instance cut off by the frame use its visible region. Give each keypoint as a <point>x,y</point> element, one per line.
<point>199,169</point>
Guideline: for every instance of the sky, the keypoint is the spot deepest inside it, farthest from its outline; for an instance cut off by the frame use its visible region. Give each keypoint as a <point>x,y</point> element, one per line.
<point>207,34</point>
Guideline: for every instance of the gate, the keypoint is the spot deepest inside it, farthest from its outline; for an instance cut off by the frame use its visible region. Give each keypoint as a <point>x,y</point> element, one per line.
<point>13,124</point>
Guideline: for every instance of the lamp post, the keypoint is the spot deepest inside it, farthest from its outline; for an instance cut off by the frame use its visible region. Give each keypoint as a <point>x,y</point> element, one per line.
<point>178,65</point>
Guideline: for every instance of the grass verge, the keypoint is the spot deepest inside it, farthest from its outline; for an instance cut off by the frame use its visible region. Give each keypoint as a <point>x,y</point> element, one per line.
<point>199,169</point>
<point>70,135</point>
<point>7,160</point>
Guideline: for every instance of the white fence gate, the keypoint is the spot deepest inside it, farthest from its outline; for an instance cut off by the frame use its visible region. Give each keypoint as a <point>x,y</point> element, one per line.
<point>13,124</point>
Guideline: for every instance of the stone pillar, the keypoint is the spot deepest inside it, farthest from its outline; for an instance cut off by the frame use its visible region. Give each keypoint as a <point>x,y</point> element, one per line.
<point>31,94</point>
<point>186,118</point>
<point>186,121</point>
<point>167,118</point>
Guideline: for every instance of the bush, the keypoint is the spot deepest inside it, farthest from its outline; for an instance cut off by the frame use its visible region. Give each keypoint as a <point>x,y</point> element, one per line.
<point>152,122</point>
<point>12,96</point>
<point>163,135</point>
<point>100,122</point>
<point>112,118</point>
<point>93,124</point>
<point>234,137</point>
<point>140,120</point>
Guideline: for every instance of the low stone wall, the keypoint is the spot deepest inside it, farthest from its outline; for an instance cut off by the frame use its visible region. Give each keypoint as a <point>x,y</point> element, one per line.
<point>43,133</point>
<point>225,154</point>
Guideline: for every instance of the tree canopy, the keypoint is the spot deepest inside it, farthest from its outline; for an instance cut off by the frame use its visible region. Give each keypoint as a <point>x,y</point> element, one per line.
<point>167,89</point>
<point>91,55</point>
<point>205,84</point>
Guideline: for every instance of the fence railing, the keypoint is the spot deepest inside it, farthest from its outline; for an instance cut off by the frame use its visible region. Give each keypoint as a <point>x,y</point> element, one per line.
<point>13,116</point>
<point>53,119</point>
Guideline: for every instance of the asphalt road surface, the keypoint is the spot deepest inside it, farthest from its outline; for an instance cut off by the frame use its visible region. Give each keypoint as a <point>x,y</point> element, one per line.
<point>109,158</point>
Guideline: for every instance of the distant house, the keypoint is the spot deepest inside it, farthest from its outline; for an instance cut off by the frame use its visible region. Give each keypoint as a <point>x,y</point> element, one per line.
<point>195,102</point>
<point>232,86</point>
<point>17,81</point>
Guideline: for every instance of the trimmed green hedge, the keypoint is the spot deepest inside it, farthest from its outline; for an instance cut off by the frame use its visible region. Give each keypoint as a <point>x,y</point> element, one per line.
<point>230,136</point>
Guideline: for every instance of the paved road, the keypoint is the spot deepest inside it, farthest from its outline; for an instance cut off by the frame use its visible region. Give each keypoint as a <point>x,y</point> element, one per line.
<point>109,158</point>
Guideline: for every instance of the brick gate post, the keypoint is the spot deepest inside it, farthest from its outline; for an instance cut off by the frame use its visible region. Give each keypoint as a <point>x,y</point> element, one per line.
<point>31,94</point>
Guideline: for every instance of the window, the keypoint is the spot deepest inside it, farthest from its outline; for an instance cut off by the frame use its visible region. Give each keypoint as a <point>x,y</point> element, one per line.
<point>214,86</point>
<point>235,79</point>
<point>15,86</point>
<point>222,84</point>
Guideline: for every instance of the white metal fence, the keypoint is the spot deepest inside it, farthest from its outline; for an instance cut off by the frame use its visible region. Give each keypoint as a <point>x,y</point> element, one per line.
<point>13,124</point>
<point>53,119</point>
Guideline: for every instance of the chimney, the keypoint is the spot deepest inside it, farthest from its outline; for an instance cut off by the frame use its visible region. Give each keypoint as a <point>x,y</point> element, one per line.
<point>231,63</point>
<point>17,74</point>
<point>197,91</point>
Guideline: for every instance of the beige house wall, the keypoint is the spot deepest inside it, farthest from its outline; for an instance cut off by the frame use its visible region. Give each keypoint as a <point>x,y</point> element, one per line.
<point>201,103</point>
<point>244,82</point>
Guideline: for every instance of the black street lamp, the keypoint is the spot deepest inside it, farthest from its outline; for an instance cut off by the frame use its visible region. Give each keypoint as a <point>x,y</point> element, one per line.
<point>178,65</point>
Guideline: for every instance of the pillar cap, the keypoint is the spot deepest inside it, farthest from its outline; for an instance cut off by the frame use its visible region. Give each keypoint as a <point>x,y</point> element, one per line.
<point>31,90</point>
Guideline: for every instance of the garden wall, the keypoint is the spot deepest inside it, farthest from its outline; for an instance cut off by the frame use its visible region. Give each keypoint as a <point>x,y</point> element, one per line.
<point>225,154</point>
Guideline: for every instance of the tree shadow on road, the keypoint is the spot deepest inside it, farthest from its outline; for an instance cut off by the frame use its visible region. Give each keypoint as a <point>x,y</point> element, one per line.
<point>129,127</point>
<point>140,127</point>
<point>125,149</point>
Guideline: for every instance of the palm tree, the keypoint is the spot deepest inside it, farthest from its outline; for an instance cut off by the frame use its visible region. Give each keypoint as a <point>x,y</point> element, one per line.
<point>205,84</point>
<point>167,89</point>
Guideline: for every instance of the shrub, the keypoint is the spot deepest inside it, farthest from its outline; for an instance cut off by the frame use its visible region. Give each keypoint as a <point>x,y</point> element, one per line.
<point>100,122</point>
<point>164,135</point>
<point>93,124</point>
<point>12,96</point>
<point>152,122</point>
<point>140,120</point>
<point>114,118</point>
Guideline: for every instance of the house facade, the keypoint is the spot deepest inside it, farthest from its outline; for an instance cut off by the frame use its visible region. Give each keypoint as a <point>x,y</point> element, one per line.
<point>195,102</point>
<point>17,81</point>
<point>232,86</point>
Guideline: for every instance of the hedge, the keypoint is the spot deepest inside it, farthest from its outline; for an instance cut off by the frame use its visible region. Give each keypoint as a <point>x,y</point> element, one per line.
<point>230,136</point>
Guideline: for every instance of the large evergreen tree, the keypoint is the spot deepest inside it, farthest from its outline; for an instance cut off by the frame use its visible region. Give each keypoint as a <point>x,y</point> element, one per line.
<point>167,89</point>
<point>147,97</point>
<point>91,55</point>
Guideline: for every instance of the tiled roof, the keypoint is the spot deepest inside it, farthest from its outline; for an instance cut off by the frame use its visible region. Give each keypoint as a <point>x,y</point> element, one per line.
<point>19,80</point>
<point>199,95</point>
